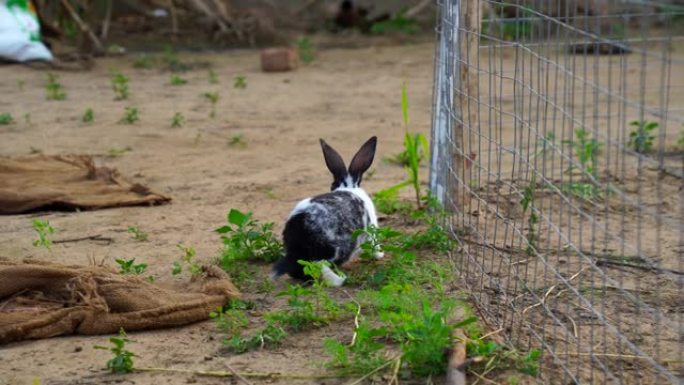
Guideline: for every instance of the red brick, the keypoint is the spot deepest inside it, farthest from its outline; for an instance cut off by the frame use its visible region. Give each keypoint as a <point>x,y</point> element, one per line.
<point>279,59</point>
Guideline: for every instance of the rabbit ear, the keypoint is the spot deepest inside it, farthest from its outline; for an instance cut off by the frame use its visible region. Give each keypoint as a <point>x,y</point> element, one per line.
<point>334,162</point>
<point>362,160</point>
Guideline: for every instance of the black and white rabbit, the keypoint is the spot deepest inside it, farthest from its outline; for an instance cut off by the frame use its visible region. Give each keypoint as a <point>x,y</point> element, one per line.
<point>322,227</point>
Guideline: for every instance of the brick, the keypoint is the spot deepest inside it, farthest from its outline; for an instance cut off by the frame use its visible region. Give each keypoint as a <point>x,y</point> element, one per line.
<point>279,59</point>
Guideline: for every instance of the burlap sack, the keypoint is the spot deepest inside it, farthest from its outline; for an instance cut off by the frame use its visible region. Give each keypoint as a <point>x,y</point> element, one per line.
<point>41,300</point>
<point>66,183</point>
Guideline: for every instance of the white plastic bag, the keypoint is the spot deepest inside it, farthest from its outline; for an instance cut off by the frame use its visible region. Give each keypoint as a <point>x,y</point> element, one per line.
<point>20,32</point>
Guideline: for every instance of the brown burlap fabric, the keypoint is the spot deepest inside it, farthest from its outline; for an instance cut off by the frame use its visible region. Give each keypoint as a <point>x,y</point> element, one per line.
<point>41,300</point>
<point>66,183</point>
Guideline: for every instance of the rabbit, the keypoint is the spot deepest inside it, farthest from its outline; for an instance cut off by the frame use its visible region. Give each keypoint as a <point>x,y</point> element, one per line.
<point>322,227</point>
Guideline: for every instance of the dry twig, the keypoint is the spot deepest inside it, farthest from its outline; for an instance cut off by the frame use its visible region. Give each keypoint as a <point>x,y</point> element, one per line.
<point>97,237</point>
<point>218,373</point>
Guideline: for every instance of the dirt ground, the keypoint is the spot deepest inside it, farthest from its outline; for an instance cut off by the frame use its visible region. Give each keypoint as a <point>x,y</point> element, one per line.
<point>281,116</point>
<point>345,96</point>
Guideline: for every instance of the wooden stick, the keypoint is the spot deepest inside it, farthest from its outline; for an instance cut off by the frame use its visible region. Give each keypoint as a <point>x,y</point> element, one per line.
<point>97,237</point>
<point>84,27</point>
<point>457,357</point>
<point>228,374</point>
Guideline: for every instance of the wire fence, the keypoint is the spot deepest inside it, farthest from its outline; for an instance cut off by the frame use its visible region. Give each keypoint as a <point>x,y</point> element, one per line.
<point>558,144</point>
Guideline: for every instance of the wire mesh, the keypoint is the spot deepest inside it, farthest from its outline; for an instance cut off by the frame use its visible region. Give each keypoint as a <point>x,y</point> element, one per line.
<point>558,144</point>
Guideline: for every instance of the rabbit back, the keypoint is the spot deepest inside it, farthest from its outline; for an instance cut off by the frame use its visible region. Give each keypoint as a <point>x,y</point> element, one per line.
<point>322,228</point>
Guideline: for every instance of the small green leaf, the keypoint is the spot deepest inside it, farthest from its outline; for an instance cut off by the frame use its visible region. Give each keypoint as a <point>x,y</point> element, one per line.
<point>237,218</point>
<point>224,229</point>
<point>177,268</point>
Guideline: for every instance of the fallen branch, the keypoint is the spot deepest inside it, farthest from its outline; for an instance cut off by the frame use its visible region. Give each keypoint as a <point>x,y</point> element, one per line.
<point>219,373</point>
<point>600,262</point>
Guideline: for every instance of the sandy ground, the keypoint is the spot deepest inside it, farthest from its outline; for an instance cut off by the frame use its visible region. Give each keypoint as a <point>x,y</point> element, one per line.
<point>345,96</point>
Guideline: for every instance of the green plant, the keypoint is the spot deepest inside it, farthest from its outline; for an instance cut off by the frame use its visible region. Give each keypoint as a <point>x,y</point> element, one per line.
<point>237,140</point>
<point>213,98</point>
<point>176,80</point>
<point>424,334</point>
<point>138,234</point>
<point>246,239</point>
<point>641,138</point>
<point>128,266</point>
<point>302,312</point>
<point>240,82</point>
<point>416,319</point>
<point>362,356</point>
<point>584,191</point>
<point>415,148</point>
<point>544,144</point>
<point>495,356</point>
<point>188,259</point>
<point>122,362</point>
<point>586,150</point>
<point>27,118</point>
<point>20,85</point>
<point>229,321</point>
<point>53,88</point>
<point>44,230</point>
<point>178,120</point>
<point>307,306</point>
<point>131,116</point>
<point>305,49</point>
<point>120,85</point>
<point>170,58</point>
<point>88,116</point>
<point>6,118</point>
<point>213,77</point>
<point>144,61</point>
<point>374,240</point>
<point>402,158</point>
<point>680,141</point>
<point>387,201</point>
<point>399,23</point>
<point>271,335</point>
